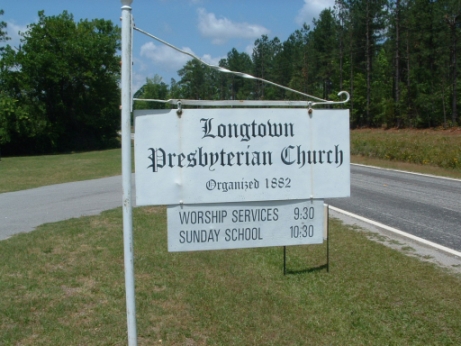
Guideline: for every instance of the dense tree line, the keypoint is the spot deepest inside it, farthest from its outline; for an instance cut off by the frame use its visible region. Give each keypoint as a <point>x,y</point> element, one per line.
<point>59,89</point>
<point>398,59</point>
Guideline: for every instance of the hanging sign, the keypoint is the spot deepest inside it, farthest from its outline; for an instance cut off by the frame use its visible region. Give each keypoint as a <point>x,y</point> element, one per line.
<point>240,155</point>
<point>244,225</point>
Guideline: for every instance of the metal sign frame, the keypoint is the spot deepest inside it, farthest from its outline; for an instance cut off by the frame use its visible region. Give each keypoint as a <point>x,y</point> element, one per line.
<point>126,108</point>
<point>241,151</point>
<point>127,49</point>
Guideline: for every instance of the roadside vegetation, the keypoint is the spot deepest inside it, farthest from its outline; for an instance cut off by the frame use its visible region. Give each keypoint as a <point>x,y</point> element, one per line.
<point>59,90</point>
<point>424,148</point>
<point>63,284</point>
<point>397,59</point>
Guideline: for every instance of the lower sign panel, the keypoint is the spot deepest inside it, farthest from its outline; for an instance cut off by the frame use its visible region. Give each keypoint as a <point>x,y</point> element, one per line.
<point>244,225</point>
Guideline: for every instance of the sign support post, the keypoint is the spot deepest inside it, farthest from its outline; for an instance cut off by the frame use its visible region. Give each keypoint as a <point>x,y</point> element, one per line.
<point>126,171</point>
<point>327,225</point>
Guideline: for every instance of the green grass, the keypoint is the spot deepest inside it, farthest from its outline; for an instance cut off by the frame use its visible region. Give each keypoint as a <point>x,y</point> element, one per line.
<point>405,166</point>
<point>64,285</point>
<point>436,148</point>
<point>19,173</point>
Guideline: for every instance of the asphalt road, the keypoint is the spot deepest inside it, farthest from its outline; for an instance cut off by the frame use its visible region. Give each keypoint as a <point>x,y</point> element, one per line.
<point>24,210</point>
<point>427,207</point>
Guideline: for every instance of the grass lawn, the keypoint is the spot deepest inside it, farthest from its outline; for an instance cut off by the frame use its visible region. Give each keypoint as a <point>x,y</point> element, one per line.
<point>19,173</point>
<point>405,166</point>
<point>64,285</point>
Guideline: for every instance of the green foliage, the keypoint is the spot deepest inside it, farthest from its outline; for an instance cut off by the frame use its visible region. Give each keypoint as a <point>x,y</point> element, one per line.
<point>3,35</point>
<point>264,58</point>
<point>425,147</point>
<point>359,101</point>
<point>198,81</point>
<point>64,79</point>
<point>323,52</point>
<point>14,120</point>
<point>396,58</point>
<point>236,88</point>
<point>154,89</point>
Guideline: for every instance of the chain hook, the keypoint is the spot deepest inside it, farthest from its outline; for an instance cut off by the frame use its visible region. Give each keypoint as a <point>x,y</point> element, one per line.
<point>179,111</point>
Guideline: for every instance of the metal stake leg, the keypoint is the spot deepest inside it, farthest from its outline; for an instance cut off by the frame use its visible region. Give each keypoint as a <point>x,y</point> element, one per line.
<point>328,238</point>
<point>284,260</point>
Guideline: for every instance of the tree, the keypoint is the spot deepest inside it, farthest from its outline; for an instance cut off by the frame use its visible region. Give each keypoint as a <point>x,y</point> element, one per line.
<point>397,62</point>
<point>198,82</point>
<point>264,54</point>
<point>3,34</point>
<point>425,49</point>
<point>397,58</point>
<point>296,50</point>
<point>153,89</point>
<point>9,109</point>
<point>239,88</point>
<point>453,20</point>
<point>66,76</point>
<point>370,14</point>
<point>341,14</point>
<point>324,51</point>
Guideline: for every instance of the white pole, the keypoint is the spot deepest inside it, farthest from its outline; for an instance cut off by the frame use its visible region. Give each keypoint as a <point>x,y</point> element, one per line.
<point>126,171</point>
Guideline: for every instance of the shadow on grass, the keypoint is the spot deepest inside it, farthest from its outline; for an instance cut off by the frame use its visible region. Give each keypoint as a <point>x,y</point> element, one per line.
<point>306,271</point>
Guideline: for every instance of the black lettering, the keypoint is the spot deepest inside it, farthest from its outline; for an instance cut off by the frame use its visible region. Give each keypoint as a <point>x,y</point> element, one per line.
<point>207,128</point>
<point>247,215</point>
<point>301,156</point>
<point>241,234</point>
<point>263,215</point>
<point>234,216</point>
<point>338,156</point>
<point>184,217</point>
<point>157,157</point>
<point>221,131</point>
<point>191,159</point>
<point>170,160</point>
<point>202,158</point>
<point>233,127</point>
<point>276,215</point>
<point>200,217</point>
<point>320,156</point>
<point>285,155</point>
<point>329,156</point>
<point>181,157</point>
<point>244,132</point>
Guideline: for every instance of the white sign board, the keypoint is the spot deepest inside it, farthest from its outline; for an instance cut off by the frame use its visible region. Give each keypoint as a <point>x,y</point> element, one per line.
<point>244,225</point>
<point>240,155</point>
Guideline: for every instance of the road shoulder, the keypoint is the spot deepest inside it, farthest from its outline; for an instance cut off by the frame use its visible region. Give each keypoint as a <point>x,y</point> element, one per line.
<point>402,244</point>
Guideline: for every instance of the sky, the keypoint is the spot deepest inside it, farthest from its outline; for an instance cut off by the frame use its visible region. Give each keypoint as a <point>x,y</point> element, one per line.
<point>208,29</point>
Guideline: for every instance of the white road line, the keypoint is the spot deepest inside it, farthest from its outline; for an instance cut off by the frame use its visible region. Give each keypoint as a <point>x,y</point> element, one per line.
<point>407,172</point>
<point>399,232</point>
